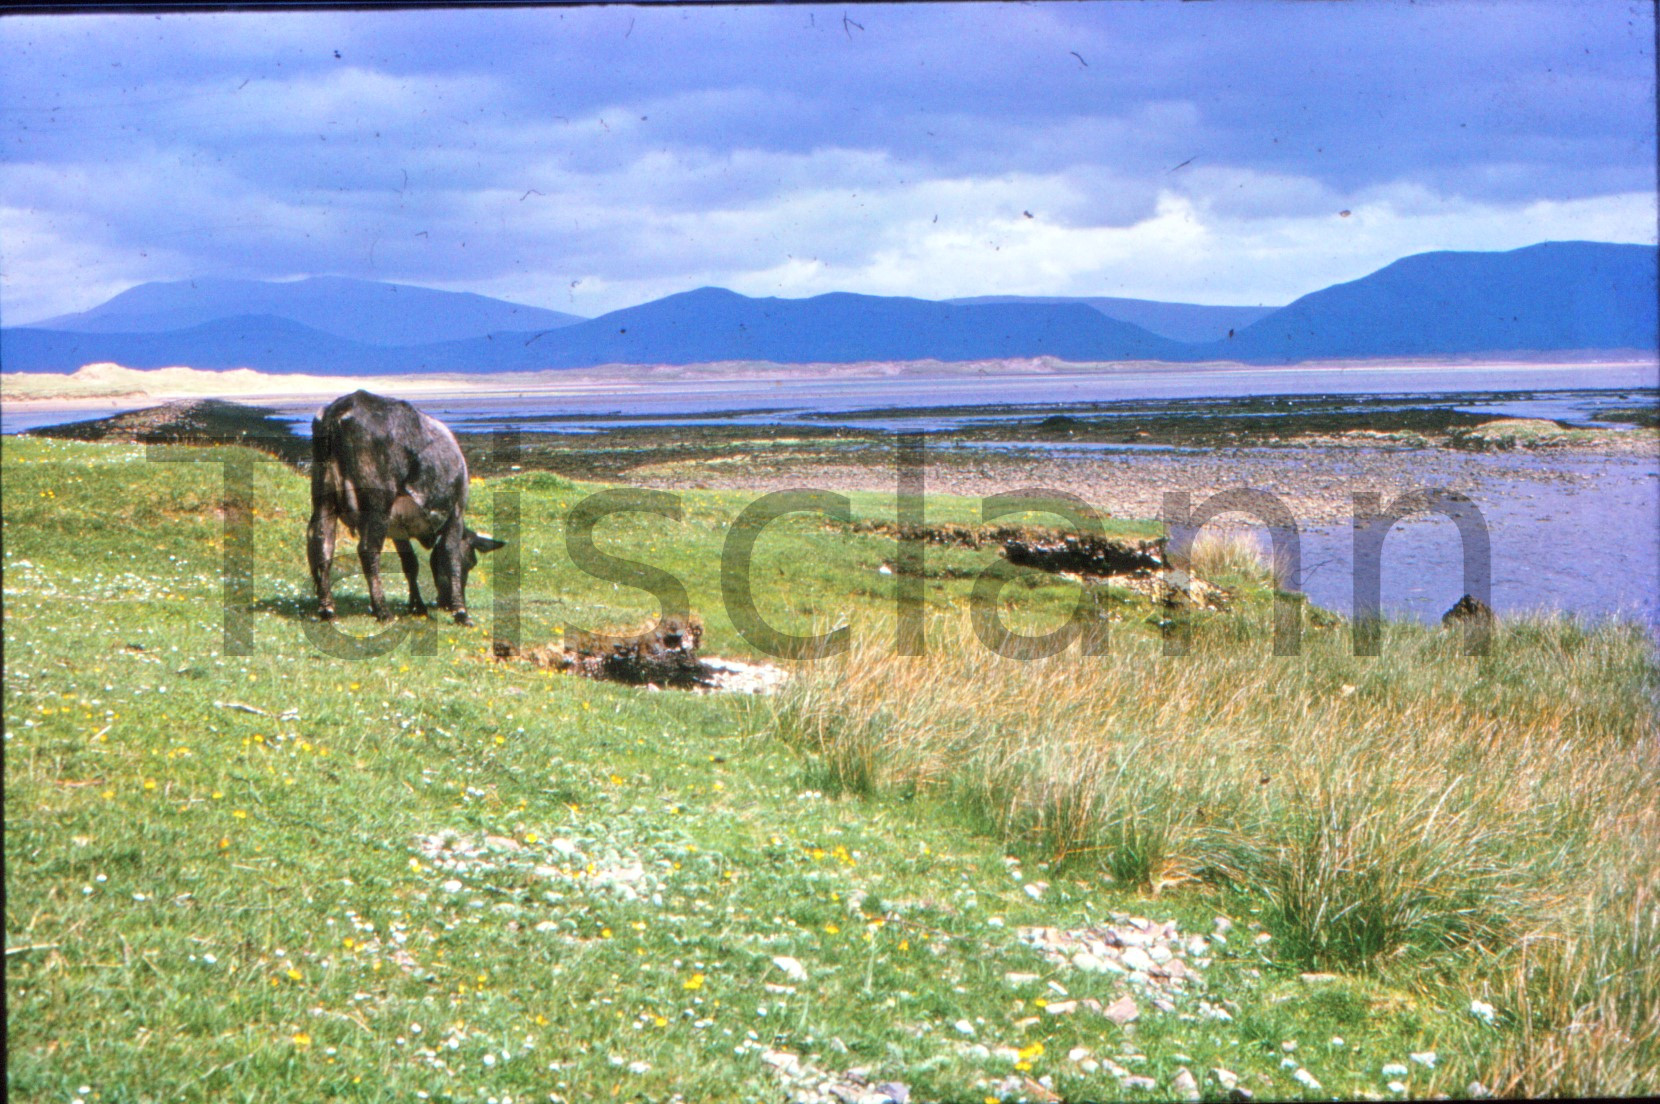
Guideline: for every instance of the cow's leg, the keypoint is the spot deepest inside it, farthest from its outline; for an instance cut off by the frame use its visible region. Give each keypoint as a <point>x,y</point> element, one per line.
<point>412,572</point>
<point>319,549</point>
<point>369,542</point>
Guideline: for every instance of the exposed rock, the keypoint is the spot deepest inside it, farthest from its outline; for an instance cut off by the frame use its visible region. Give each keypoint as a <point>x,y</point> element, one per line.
<point>1467,609</point>
<point>192,422</point>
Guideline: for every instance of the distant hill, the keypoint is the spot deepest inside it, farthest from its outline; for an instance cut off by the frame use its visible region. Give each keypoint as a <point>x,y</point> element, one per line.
<point>255,341</point>
<point>715,324</point>
<point>688,328</point>
<point>1177,321</point>
<point>1549,297</point>
<point>358,310</point>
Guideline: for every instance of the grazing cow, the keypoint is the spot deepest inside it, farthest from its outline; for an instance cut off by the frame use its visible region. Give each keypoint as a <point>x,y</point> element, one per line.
<point>387,470</point>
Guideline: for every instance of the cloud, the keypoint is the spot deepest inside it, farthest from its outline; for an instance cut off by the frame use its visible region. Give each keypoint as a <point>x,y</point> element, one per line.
<point>589,158</point>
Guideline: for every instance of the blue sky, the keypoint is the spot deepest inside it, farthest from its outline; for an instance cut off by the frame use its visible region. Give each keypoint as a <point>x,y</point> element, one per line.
<point>591,158</point>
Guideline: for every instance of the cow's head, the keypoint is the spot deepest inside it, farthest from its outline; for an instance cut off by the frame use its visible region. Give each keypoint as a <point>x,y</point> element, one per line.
<point>479,542</point>
<point>471,545</point>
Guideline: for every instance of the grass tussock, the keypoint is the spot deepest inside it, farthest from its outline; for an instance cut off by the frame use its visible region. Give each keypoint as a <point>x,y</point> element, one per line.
<point>1233,556</point>
<point>1420,813</point>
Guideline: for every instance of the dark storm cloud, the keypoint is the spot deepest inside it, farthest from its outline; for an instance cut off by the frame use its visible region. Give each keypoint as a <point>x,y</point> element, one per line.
<point>639,149</point>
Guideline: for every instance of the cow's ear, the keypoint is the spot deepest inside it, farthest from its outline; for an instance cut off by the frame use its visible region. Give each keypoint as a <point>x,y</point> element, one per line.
<point>484,543</point>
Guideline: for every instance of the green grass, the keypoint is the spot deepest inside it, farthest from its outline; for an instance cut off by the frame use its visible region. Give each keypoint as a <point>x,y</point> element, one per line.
<point>208,903</point>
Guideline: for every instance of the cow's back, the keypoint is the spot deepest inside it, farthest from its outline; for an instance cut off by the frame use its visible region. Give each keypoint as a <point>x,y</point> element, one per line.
<point>369,451</point>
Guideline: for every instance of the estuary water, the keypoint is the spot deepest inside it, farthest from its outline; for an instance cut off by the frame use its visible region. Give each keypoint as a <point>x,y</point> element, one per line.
<point>1581,536</point>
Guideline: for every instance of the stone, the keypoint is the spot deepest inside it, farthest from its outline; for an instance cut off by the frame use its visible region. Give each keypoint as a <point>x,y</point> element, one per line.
<point>1394,1069</point>
<point>1184,1085</point>
<point>1317,979</point>
<point>1077,1054</point>
<point>1305,1079</point>
<point>1060,1008</point>
<point>1396,1087</point>
<point>1159,953</point>
<point>1482,1011</point>
<point>1137,959</point>
<point>1226,1078</point>
<point>792,968</point>
<point>1122,1011</point>
<point>1424,1058</point>
<point>1468,610</point>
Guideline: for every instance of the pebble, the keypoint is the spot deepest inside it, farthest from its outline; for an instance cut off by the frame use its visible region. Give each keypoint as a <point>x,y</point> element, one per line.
<point>1226,1078</point>
<point>1483,1011</point>
<point>792,968</point>
<point>1396,1087</point>
<point>964,1027</point>
<point>1424,1058</point>
<point>1121,1011</point>
<point>1305,1078</point>
<point>1137,959</point>
<point>1184,1086</point>
<point>1394,1069</point>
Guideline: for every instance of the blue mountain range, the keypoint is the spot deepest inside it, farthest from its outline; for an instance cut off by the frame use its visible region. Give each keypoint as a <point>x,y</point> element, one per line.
<point>1554,297</point>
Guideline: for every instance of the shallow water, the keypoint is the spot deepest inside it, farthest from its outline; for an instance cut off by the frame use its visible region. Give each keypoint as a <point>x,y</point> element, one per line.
<point>1552,390</point>
<point>1588,543</point>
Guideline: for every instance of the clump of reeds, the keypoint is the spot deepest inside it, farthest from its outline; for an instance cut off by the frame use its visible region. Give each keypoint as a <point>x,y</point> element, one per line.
<point>1419,808</point>
<point>1231,556</point>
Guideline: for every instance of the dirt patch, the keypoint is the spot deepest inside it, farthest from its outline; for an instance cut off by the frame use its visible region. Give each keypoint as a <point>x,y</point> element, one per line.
<point>655,656</point>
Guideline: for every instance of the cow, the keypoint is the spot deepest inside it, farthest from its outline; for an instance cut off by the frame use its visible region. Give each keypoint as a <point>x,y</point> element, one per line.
<point>387,470</point>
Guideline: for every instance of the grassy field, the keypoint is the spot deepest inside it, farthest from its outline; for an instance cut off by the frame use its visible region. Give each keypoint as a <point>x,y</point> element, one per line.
<point>286,875</point>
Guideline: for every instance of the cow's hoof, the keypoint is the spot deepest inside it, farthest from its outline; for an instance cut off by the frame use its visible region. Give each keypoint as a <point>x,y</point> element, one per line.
<point>326,614</point>
<point>383,616</point>
<point>463,618</point>
<point>418,609</point>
